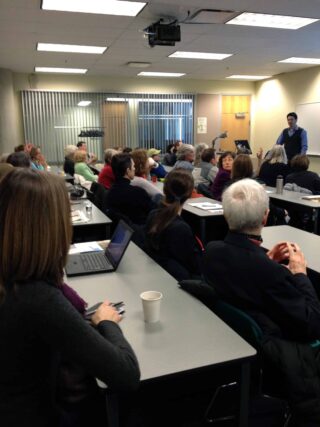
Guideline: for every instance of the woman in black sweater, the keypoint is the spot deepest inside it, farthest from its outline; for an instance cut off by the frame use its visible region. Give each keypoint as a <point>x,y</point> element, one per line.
<point>39,323</point>
<point>169,239</point>
<point>274,164</point>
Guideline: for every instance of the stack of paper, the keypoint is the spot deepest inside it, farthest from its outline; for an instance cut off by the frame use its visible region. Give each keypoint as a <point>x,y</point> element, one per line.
<point>78,217</point>
<point>208,206</point>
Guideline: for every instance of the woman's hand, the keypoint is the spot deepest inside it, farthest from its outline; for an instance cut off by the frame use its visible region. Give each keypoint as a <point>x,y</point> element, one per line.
<point>106,312</point>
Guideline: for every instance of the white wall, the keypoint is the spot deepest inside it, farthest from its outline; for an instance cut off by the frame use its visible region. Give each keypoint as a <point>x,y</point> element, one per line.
<point>276,97</point>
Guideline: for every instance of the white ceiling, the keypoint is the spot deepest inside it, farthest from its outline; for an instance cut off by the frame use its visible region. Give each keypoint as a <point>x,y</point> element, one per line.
<point>256,50</point>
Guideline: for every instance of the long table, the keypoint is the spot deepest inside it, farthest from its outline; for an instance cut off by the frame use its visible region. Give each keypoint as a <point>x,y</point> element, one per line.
<point>293,198</point>
<point>97,228</point>
<point>187,338</point>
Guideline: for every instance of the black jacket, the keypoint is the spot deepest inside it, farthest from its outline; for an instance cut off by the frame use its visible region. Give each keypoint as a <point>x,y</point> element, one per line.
<point>129,200</point>
<point>283,304</point>
<point>269,171</point>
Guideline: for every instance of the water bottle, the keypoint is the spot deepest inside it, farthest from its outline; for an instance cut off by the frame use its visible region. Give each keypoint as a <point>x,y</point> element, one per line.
<point>279,184</point>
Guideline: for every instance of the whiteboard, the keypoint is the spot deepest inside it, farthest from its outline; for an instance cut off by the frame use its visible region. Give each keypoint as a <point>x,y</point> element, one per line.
<point>309,119</point>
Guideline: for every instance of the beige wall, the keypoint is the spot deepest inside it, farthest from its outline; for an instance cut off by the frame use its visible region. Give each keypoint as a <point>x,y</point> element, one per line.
<point>276,97</point>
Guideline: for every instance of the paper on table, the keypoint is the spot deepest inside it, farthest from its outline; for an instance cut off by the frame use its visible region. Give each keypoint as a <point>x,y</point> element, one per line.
<point>78,217</point>
<point>77,248</point>
<point>216,211</point>
<point>207,206</point>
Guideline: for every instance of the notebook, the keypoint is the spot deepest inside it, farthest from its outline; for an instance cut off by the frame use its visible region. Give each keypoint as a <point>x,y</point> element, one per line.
<point>101,262</point>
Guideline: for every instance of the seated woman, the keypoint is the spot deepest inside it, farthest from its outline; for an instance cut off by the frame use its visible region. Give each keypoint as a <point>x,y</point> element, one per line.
<point>185,157</point>
<point>243,168</point>
<point>19,159</point>
<point>199,149</point>
<point>38,161</point>
<point>170,156</point>
<point>81,167</point>
<point>301,176</point>
<point>40,323</point>
<point>169,239</point>
<point>106,176</point>
<point>274,164</point>
<point>68,165</point>
<point>141,164</point>
<point>223,176</point>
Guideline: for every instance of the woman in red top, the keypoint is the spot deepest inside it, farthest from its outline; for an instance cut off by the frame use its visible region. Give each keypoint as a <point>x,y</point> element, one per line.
<point>106,177</point>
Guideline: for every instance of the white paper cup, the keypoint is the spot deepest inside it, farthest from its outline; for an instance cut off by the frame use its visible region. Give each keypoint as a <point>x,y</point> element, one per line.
<point>151,301</point>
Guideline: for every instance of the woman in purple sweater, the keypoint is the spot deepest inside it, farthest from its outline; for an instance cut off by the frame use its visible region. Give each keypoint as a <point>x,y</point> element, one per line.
<point>224,174</point>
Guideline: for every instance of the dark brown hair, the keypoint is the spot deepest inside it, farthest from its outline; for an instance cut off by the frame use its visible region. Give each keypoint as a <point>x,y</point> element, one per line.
<point>177,189</point>
<point>223,156</point>
<point>19,159</point>
<point>242,167</point>
<point>207,155</point>
<point>300,162</point>
<point>34,244</point>
<point>140,158</point>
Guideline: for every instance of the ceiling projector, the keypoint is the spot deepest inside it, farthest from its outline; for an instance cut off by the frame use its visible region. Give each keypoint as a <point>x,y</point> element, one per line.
<point>163,34</point>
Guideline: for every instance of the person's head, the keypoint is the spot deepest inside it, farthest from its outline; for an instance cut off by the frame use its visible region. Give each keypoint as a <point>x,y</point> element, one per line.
<point>127,150</point>
<point>123,166</point>
<point>186,152</point>
<point>177,189</point>
<point>81,145</point>
<point>19,147</point>
<point>169,148</point>
<point>140,159</point>
<point>245,206</point>
<point>35,152</point>
<point>108,154</point>
<point>69,151</point>
<point>277,154</point>
<point>4,169</point>
<point>38,248</point>
<point>209,155</point>
<point>292,119</point>
<point>20,159</point>
<point>226,160</point>
<point>154,154</point>
<point>199,149</point>
<point>242,167</point>
<point>79,156</point>
<point>300,163</point>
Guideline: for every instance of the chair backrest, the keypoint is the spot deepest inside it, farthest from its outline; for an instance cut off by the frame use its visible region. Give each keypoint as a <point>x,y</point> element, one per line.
<point>240,322</point>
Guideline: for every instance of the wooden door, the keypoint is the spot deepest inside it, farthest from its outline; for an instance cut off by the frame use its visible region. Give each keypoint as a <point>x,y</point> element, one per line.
<point>235,119</point>
<point>115,124</point>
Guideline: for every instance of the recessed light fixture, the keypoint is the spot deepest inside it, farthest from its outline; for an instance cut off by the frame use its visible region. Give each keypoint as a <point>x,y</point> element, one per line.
<point>60,70</point>
<point>247,77</point>
<point>295,60</point>
<point>158,74</point>
<point>84,103</point>
<point>109,7</point>
<point>73,48</point>
<point>116,99</point>
<point>200,55</point>
<point>139,64</point>
<point>271,21</point>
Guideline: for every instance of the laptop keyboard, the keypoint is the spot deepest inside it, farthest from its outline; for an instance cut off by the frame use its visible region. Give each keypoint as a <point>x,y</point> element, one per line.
<point>94,261</point>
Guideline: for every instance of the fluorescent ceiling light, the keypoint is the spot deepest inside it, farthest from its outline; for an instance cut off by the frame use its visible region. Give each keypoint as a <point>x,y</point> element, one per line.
<point>295,60</point>
<point>116,99</point>
<point>200,55</point>
<point>84,103</point>
<point>60,70</point>
<point>73,48</point>
<point>106,7</point>
<point>271,21</point>
<point>247,77</point>
<point>158,74</point>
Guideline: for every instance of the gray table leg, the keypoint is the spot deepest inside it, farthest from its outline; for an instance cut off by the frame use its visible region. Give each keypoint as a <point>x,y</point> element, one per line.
<point>203,230</point>
<point>244,394</point>
<point>316,221</point>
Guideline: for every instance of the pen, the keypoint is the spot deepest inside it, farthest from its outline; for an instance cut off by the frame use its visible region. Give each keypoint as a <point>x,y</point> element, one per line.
<point>117,304</point>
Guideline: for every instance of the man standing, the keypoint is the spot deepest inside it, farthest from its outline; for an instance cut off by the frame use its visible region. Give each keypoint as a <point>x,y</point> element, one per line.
<point>294,138</point>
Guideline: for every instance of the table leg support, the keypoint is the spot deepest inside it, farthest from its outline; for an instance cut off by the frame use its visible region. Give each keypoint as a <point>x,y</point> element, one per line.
<point>244,394</point>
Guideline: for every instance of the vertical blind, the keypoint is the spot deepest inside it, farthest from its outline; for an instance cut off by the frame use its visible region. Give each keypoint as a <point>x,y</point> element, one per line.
<point>53,120</point>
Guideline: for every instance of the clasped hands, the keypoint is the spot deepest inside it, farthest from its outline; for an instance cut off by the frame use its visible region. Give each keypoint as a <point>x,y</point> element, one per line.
<point>291,252</point>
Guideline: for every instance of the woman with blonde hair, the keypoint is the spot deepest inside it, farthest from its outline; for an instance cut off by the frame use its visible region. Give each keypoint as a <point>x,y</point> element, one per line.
<point>40,323</point>
<point>81,167</point>
<point>274,164</point>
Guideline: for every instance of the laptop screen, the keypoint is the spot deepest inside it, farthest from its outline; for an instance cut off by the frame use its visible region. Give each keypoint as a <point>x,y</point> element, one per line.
<point>243,146</point>
<point>119,242</point>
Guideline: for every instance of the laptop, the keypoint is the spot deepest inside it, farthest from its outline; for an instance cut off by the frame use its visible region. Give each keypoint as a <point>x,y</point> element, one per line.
<point>243,146</point>
<point>101,262</point>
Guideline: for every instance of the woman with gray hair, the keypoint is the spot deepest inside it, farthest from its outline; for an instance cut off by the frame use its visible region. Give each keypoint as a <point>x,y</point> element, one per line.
<point>274,164</point>
<point>199,149</point>
<point>185,157</point>
<point>68,165</point>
